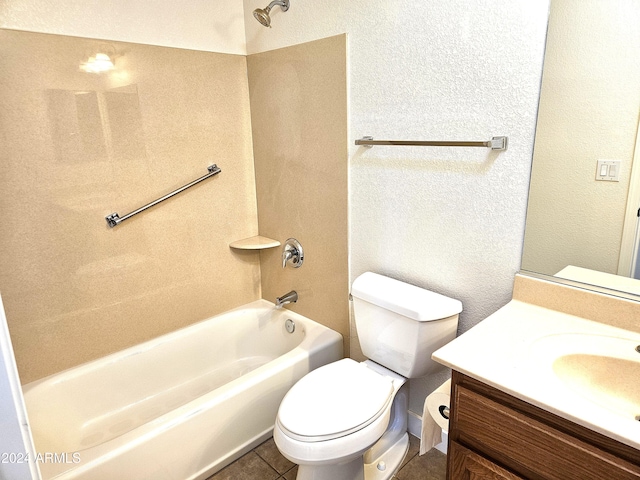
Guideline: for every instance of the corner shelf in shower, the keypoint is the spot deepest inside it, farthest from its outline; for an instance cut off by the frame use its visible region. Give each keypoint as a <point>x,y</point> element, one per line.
<point>255,243</point>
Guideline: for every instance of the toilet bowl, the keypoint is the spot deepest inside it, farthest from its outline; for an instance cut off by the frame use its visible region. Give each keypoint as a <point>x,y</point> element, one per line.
<point>348,420</point>
<point>361,397</point>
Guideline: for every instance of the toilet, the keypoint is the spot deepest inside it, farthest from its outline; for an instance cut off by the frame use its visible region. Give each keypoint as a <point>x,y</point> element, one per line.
<point>348,420</point>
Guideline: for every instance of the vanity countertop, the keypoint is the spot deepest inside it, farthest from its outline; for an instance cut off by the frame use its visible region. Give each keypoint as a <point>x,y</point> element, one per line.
<point>517,350</point>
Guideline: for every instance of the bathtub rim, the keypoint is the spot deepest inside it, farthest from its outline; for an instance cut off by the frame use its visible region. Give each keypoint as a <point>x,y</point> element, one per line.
<point>156,341</point>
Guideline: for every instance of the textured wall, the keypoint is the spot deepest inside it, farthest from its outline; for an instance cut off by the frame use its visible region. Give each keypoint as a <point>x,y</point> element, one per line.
<point>197,24</point>
<point>448,219</point>
<point>299,128</point>
<point>77,147</point>
<point>588,111</point>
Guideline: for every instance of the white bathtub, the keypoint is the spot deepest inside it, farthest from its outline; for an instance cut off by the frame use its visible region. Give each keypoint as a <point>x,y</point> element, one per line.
<point>181,406</point>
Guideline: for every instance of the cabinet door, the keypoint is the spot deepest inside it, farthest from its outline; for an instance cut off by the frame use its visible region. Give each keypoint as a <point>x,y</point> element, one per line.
<point>466,465</point>
<point>528,446</point>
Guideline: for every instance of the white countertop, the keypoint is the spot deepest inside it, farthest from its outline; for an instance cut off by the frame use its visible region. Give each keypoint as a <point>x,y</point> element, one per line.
<point>601,279</point>
<point>513,350</point>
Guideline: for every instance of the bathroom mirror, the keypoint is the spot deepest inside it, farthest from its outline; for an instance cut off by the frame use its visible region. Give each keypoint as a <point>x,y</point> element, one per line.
<point>585,190</point>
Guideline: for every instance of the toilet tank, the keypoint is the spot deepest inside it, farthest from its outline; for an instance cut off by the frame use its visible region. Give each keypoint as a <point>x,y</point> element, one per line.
<point>400,325</point>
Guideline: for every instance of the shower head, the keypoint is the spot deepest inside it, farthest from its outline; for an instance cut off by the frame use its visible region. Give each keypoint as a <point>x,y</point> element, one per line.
<point>262,14</point>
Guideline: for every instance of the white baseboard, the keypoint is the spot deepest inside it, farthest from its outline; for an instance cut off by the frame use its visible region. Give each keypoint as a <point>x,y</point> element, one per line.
<point>445,441</point>
<point>414,426</point>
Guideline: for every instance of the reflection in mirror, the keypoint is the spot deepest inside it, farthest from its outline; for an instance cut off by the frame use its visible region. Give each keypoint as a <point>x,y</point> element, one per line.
<point>581,224</point>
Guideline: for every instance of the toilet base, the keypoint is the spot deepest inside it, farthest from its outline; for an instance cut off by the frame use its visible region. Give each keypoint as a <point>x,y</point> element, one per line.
<point>381,468</point>
<point>388,464</point>
<point>352,470</point>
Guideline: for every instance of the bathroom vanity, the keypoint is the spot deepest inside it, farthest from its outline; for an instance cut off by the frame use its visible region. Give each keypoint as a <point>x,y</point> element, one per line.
<point>493,435</point>
<point>546,388</point>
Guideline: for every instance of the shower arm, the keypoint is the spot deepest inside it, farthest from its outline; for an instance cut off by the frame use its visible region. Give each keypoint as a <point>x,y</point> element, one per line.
<point>281,3</point>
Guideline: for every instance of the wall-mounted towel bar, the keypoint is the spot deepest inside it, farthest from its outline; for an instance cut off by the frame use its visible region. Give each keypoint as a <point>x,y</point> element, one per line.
<point>496,143</point>
<point>114,219</point>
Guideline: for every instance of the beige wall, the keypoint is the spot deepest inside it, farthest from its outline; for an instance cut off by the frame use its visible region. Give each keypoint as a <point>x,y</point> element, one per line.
<point>589,109</point>
<point>299,122</point>
<point>79,146</point>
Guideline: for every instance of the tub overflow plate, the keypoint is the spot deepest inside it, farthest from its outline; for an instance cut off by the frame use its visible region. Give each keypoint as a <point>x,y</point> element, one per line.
<point>290,325</point>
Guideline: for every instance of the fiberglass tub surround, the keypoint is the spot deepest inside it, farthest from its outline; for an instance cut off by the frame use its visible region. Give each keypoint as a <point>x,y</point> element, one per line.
<point>182,405</point>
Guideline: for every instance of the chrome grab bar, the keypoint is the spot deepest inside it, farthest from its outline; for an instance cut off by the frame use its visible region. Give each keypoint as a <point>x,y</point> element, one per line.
<point>114,219</point>
<point>496,143</point>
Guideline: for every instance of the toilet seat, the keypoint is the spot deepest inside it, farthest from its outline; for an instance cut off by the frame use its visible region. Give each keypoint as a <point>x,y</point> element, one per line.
<point>356,395</point>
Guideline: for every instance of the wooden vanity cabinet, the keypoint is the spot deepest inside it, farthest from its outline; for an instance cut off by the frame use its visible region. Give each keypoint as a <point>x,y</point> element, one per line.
<point>495,436</point>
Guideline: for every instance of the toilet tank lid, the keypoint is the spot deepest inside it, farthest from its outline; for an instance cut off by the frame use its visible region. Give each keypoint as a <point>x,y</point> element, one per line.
<point>399,297</point>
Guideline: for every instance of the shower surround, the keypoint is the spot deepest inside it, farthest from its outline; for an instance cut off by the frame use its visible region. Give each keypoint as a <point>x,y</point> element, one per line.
<point>78,146</point>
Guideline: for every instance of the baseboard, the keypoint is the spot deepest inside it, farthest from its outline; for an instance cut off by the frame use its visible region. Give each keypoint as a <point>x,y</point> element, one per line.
<point>445,441</point>
<point>414,426</point>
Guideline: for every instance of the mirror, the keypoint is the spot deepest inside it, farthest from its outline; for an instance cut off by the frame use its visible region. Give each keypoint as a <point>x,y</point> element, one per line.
<point>582,216</point>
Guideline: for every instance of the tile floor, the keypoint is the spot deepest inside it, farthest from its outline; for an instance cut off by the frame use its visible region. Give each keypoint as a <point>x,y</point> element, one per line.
<point>265,462</point>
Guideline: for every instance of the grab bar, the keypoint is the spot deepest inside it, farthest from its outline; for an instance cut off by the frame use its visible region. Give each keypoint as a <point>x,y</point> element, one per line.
<point>496,143</point>
<point>114,219</point>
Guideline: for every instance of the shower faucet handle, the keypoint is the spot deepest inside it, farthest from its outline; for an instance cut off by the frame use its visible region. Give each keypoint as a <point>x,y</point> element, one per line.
<point>292,253</point>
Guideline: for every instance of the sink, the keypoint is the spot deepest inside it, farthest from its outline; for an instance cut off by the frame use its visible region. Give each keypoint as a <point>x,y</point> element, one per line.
<point>602,369</point>
<point>607,381</point>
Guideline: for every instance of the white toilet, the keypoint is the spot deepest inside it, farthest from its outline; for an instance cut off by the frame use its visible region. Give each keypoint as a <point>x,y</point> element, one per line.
<point>348,420</point>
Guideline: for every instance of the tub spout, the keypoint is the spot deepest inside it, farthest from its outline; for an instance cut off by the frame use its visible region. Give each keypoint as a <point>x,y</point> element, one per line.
<point>291,297</point>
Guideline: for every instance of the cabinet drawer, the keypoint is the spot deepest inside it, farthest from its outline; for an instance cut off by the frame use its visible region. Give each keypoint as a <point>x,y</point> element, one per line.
<point>529,447</point>
<point>466,465</point>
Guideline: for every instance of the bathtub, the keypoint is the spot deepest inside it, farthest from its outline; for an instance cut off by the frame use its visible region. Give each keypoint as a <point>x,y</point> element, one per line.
<point>181,406</point>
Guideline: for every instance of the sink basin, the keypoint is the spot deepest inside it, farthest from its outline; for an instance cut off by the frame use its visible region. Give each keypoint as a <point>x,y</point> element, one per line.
<point>610,382</point>
<point>601,369</point>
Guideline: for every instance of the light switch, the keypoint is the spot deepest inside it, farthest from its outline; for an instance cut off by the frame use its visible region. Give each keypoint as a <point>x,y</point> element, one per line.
<point>608,170</point>
<point>603,170</point>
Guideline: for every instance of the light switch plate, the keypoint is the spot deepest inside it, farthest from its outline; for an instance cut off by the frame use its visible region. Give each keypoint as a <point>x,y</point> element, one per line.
<point>608,170</point>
